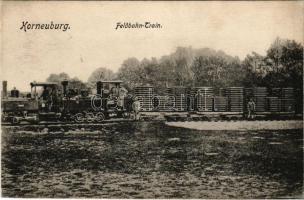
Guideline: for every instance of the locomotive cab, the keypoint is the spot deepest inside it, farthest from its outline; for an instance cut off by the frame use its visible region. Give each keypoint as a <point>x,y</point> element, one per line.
<point>47,94</point>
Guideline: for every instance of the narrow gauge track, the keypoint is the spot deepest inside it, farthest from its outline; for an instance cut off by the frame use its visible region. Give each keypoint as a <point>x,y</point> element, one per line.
<point>169,117</point>
<point>66,123</point>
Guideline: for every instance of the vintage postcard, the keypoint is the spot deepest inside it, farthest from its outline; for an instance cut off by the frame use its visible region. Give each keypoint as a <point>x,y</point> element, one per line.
<point>152,100</point>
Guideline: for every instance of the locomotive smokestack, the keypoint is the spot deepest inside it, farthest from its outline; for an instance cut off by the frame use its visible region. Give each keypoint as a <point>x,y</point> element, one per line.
<point>4,89</point>
<point>99,86</point>
<point>65,84</point>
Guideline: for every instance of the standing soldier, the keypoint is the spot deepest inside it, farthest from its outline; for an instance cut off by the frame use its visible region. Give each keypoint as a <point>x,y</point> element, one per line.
<point>250,108</point>
<point>136,108</point>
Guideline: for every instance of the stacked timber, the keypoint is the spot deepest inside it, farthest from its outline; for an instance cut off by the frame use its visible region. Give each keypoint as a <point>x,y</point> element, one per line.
<point>259,97</point>
<point>287,98</point>
<point>248,93</point>
<point>235,97</point>
<point>145,95</point>
<point>287,93</point>
<point>220,104</point>
<point>273,104</point>
<point>276,92</point>
<point>160,103</point>
<point>203,98</point>
<point>179,96</point>
<point>288,102</point>
<point>298,93</point>
<point>222,92</point>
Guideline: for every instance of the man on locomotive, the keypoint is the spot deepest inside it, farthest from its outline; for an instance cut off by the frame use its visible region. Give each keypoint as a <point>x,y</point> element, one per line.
<point>49,95</point>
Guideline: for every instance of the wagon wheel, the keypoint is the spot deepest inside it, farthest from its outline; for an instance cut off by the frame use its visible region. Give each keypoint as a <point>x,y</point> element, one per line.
<point>79,118</point>
<point>99,117</point>
<point>89,117</point>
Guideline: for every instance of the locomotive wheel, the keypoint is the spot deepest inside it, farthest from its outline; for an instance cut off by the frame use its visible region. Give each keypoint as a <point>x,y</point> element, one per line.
<point>15,120</point>
<point>90,117</point>
<point>79,118</point>
<point>99,117</point>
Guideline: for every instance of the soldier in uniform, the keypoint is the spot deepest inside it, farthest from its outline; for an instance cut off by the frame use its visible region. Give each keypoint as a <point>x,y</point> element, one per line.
<point>136,108</point>
<point>250,109</point>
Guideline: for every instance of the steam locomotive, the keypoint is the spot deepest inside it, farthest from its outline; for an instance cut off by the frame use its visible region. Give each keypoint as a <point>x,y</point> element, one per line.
<point>58,102</point>
<point>49,101</point>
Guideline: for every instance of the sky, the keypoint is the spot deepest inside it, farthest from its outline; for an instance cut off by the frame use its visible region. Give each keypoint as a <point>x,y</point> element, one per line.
<point>237,28</point>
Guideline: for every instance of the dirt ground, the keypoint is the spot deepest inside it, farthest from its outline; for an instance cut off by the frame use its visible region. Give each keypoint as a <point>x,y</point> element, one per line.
<point>150,160</point>
<point>242,125</point>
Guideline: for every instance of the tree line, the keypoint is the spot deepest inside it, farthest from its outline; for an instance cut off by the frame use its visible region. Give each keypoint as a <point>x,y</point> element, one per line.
<point>282,66</point>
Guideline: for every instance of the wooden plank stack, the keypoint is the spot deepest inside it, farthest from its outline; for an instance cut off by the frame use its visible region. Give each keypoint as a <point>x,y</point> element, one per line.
<point>288,102</point>
<point>203,98</point>
<point>220,104</point>
<point>180,96</point>
<point>145,95</point>
<point>259,97</point>
<point>273,104</point>
<point>235,98</point>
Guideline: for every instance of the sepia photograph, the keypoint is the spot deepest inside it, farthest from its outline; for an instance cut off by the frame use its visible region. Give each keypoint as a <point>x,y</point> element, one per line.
<point>152,99</point>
